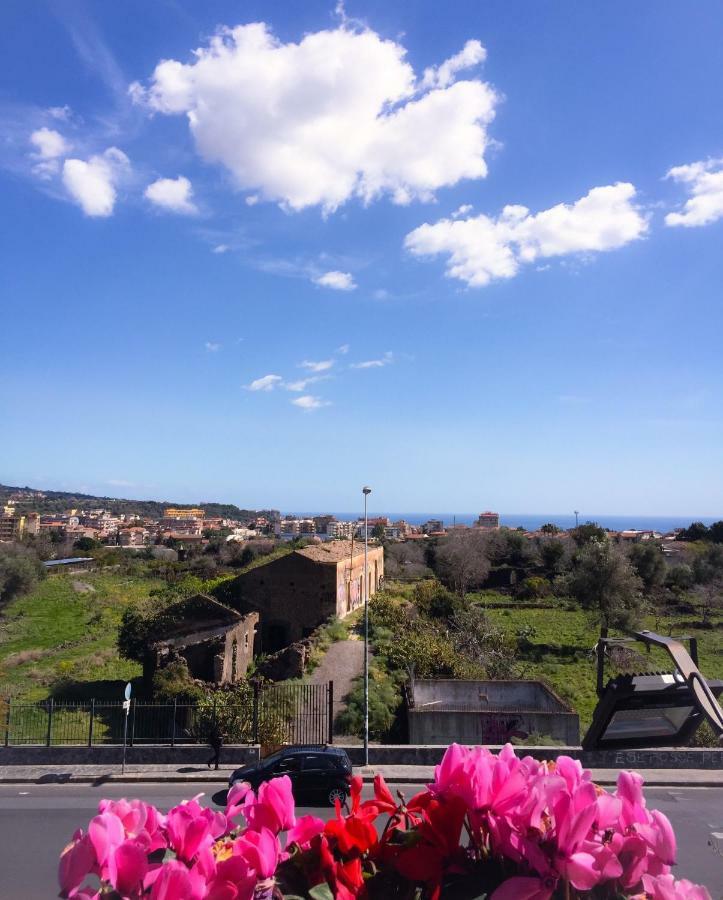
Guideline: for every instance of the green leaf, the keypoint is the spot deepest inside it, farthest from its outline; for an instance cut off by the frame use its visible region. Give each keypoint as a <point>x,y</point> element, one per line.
<point>321,892</point>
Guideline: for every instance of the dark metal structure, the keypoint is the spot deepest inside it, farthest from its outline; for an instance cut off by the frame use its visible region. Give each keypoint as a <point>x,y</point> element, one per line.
<point>653,709</point>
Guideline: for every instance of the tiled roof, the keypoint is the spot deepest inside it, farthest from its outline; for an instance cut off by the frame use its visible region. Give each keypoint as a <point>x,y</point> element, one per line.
<point>334,551</point>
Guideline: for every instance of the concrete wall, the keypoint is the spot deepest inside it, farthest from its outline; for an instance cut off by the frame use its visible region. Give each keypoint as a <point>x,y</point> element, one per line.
<point>487,712</point>
<point>473,727</point>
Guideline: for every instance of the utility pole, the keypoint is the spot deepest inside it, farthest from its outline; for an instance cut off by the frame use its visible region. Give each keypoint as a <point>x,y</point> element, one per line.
<point>577,513</point>
<point>366,491</point>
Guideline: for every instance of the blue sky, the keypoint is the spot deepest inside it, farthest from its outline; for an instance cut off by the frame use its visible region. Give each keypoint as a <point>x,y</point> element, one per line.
<point>429,248</point>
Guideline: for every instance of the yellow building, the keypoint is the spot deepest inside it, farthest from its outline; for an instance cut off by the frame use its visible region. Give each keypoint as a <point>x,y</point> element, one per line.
<point>173,513</point>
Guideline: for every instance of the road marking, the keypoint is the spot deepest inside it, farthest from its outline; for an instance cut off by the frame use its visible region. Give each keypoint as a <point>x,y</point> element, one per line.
<point>23,793</point>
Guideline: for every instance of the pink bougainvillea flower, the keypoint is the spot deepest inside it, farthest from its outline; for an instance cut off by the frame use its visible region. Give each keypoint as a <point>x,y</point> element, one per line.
<point>76,861</point>
<point>273,808</point>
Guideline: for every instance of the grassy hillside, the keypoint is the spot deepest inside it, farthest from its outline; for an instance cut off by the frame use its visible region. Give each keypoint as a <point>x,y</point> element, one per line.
<point>66,629</point>
<point>556,644</point>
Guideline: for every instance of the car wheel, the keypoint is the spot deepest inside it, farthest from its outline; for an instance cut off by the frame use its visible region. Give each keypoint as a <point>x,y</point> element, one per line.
<point>336,794</point>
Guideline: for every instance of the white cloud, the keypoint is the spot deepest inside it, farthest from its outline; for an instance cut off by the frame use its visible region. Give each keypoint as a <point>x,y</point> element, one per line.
<point>309,402</point>
<point>481,249</point>
<point>339,114</point>
<point>49,146</point>
<point>462,211</point>
<point>343,350</point>
<point>92,184</point>
<point>705,183</point>
<point>303,383</point>
<point>173,194</point>
<point>386,360</point>
<point>60,113</point>
<point>212,347</point>
<point>381,294</point>
<point>252,200</point>
<point>337,281</point>
<point>265,383</point>
<point>221,248</point>
<point>472,54</point>
<point>321,366</point>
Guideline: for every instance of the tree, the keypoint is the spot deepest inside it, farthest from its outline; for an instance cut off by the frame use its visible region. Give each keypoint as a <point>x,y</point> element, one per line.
<point>649,563</point>
<point>20,572</point>
<point>550,528</point>
<point>86,544</point>
<point>697,531</point>
<point>552,555</point>
<point>590,531</point>
<point>603,580</point>
<point>461,561</point>
<point>378,531</point>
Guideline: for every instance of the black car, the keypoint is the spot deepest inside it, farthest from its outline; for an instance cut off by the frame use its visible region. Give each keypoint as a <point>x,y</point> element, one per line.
<point>315,771</point>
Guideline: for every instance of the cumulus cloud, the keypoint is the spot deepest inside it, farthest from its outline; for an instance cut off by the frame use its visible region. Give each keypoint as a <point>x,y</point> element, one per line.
<point>705,184</point>
<point>385,360</point>
<point>92,183</point>
<point>221,248</point>
<point>212,347</point>
<point>343,350</point>
<point>265,383</point>
<point>308,402</point>
<point>339,114</point>
<point>322,366</point>
<point>337,281</point>
<point>481,248</point>
<point>173,194</point>
<point>49,146</point>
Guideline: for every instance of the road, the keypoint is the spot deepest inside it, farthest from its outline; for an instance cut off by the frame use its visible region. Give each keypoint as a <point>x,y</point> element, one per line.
<point>36,821</point>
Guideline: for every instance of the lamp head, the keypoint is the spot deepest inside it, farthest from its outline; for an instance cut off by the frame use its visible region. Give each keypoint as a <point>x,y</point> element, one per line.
<point>366,490</point>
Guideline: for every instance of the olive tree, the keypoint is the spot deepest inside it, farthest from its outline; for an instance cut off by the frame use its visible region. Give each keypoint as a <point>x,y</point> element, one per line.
<point>603,580</point>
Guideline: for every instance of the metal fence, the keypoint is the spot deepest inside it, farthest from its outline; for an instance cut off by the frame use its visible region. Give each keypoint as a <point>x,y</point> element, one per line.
<point>292,713</point>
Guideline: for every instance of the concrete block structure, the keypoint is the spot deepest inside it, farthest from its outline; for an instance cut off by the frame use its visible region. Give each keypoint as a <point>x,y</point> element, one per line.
<point>487,712</point>
<point>296,593</point>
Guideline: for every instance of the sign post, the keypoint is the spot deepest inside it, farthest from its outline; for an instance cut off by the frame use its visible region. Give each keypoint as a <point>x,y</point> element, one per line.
<point>126,710</point>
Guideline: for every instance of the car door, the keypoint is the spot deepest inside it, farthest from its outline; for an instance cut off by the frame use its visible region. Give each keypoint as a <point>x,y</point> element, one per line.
<point>287,765</point>
<point>318,773</point>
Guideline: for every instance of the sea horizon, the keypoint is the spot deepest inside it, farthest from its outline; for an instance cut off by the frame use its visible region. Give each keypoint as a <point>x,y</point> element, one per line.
<point>533,521</point>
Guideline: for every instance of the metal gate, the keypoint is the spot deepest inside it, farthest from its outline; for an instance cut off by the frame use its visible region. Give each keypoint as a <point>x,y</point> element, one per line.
<point>295,713</point>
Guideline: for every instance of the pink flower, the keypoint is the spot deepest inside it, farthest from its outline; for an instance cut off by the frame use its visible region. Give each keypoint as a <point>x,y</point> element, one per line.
<point>174,881</point>
<point>76,861</point>
<point>306,828</point>
<point>190,827</point>
<point>140,820</point>
<point>273,808</point>
<point>260,850</point>
<point>520,888</point>
<point>234,798</point>
<point>131,865</point>
<point>665,887</point>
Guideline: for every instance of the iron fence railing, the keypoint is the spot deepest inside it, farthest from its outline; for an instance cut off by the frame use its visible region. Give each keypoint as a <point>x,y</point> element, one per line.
<point>290,713</point>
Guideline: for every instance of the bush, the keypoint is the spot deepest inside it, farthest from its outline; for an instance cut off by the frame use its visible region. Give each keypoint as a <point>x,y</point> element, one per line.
<point>174,682</point>
<point>534,587</point>
<point>20,572</point>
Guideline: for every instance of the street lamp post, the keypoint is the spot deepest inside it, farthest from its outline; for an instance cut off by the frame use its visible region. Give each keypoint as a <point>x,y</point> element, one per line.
<point>576,515</point>
<point>366,491</point>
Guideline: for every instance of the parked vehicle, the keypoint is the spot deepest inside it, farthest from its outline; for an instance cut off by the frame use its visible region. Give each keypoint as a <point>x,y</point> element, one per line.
<point>315,771</point>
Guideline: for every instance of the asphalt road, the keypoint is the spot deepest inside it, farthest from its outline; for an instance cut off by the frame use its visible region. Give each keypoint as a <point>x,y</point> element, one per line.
<point>36,821</point>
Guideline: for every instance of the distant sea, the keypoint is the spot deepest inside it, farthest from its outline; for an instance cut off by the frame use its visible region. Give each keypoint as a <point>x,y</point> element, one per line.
<point>532,521</point>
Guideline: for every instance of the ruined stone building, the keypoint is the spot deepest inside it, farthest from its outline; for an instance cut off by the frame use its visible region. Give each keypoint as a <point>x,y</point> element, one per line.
<point>296,593</point>
<point>216,642</point>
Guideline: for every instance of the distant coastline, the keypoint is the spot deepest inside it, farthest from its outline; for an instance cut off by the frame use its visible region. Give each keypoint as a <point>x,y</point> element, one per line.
<point>532,521</point>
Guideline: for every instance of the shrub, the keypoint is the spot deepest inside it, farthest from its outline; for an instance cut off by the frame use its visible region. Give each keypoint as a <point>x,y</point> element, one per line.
<point>534,587</point>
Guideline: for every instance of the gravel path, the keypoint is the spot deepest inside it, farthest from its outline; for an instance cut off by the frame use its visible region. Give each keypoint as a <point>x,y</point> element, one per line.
<point>342,662</point>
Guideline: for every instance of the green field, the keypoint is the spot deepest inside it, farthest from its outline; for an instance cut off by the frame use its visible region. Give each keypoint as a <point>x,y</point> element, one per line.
<point>556,645</point>
<point>65,632</point>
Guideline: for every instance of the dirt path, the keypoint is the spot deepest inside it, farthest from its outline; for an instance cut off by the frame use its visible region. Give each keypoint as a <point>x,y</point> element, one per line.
<point>342,662</point>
